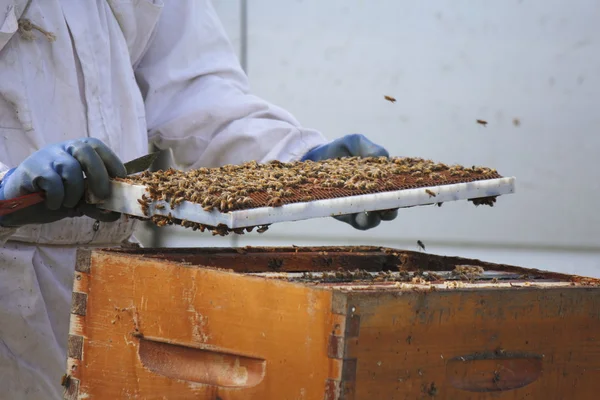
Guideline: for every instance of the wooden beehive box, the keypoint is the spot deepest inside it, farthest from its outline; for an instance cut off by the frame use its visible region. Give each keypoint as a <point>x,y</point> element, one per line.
<point>262,323</point>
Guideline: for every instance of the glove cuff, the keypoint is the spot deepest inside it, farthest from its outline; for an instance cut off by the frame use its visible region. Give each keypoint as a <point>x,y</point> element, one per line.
<point>3,181</point>
<point>309,155</point>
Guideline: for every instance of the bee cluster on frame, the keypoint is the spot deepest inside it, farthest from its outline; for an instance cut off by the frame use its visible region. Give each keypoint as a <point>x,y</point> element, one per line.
<point>273,184</point>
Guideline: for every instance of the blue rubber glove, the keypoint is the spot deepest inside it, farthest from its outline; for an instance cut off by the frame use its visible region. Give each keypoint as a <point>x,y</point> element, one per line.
<point>350,146</point>
<point>58,171</point>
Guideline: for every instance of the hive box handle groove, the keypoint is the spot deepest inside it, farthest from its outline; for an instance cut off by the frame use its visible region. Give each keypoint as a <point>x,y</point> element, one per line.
<point>201,365</point>
<point>493,373</point>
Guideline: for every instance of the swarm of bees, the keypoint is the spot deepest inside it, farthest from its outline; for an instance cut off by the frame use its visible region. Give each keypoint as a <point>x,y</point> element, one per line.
<point>221,230</point>
<point>273,184</point>
<point>467,272</point>
<point>362,276</point>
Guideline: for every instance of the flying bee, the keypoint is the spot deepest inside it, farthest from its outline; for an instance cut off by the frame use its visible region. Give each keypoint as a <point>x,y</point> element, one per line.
<point>421,245</point>
<point>389,98</point>
<point>482,122</point>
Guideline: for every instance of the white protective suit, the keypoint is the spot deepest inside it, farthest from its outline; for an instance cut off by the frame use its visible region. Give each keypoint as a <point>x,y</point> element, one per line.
<point>126,72</point>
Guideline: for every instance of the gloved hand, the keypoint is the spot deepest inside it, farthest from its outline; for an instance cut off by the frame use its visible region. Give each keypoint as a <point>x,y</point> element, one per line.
<point>57,169</point>
<point>350,146</point>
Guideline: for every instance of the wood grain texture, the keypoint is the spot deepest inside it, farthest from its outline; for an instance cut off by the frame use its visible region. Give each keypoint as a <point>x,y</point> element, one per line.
<point>272,335</point>
<point>469,344</point>
<point>159,323</point>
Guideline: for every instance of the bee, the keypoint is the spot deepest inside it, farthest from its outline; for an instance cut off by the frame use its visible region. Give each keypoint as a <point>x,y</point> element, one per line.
<point>262,229</point>
<point>419,180</point>
<point>440,204</point>
<point>482,122</point>
<point>247,200</point>
<point>430,193</point>
<point>178,201</point>
<point>417,173</point>
<point>142,203</point>
<point>516,121</point>
<point>421,245</point>
<point>65,381</point>
<point>160,206</point>
<point>144,206</point>
<point>390,99</point>
<point>275,202</point>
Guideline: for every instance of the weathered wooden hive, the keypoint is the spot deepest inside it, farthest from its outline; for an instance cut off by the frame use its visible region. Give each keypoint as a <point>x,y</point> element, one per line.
<point>327,323</point>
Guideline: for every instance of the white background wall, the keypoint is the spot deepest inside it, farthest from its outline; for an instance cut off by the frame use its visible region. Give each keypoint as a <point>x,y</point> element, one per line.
<point>447,63</point>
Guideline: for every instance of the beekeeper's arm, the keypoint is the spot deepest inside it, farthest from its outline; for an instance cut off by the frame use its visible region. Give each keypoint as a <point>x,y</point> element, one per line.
<point>198,102</point>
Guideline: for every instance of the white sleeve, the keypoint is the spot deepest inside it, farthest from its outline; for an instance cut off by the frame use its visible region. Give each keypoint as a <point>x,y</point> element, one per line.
<point>197,97</point>
<point>5,233</point>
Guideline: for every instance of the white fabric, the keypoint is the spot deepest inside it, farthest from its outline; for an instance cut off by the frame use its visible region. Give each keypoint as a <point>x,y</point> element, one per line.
<point>126,72</point>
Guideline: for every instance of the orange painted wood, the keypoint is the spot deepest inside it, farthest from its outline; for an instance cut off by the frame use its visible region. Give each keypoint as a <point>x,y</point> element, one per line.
<point>171,324</point>
<point>223,336</point>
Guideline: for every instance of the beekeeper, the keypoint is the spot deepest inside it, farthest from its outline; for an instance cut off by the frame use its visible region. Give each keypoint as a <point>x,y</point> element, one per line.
<point>84,86</point>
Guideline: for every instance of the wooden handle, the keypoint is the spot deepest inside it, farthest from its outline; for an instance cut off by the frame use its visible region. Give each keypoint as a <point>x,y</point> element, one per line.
<point>18,203</point>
